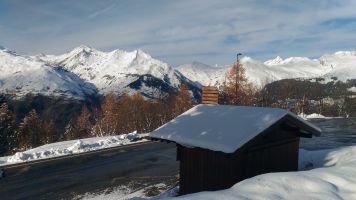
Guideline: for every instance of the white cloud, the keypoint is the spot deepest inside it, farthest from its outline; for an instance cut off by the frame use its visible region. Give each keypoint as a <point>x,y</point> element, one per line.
<point>209,30</point>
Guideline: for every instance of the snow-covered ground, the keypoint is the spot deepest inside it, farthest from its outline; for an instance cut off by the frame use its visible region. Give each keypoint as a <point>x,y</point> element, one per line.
<point>324,174</point>
<point>72,147</point>
<point>125,192</point>
<point>312,116</point>
<point>315,116</point>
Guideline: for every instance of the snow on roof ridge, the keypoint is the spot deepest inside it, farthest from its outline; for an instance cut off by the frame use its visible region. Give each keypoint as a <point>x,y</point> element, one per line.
<point>230,126</point>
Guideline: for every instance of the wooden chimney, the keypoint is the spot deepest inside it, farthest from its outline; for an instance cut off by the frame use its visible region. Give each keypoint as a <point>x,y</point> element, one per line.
<point>210,95</point>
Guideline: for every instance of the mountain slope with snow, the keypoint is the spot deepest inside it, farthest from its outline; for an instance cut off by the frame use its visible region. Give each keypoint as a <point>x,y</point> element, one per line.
<point>119,71</point>
<point>340,64</point>
<point>21,75</point>
<point>86,71</point>
<point>202,73</point>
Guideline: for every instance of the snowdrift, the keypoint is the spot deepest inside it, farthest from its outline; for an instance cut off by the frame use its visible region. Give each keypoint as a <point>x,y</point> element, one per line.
<point>72,147</point>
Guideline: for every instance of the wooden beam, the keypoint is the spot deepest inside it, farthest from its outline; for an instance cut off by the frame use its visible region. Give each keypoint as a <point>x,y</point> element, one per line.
<point>209,88</point>
<point>215,101</point>
<point>210,95</point>
<point>209,102</point>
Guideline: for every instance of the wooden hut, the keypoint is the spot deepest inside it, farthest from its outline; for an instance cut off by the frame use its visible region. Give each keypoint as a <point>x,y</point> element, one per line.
<point>220,145</point>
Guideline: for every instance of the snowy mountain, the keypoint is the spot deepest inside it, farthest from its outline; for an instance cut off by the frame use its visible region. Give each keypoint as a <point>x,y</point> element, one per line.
<point>85,71</point>
<point>340,64</point>
<point>202,74</point>
<point>21,75</point>
<point>119,71</point>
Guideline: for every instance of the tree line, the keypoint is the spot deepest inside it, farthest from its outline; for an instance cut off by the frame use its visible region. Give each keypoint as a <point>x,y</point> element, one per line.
<point>305,96</point>
<point>115,115</point>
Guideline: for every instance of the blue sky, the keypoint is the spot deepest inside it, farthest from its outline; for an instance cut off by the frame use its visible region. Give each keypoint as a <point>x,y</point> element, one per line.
<point>177,32</point>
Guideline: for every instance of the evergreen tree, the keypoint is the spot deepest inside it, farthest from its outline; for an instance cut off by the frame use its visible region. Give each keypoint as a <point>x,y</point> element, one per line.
<point>30,131</point>
<point>47,133</point>
<point>8,130</point>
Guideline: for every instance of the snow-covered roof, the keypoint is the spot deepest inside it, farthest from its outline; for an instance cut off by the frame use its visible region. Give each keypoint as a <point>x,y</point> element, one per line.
<point>222,127</point>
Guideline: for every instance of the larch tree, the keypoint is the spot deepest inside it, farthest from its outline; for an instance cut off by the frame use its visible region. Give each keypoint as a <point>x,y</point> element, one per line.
<point>139,112</point>
<point>108,117</point>
<point>81,126</point>
<point>236,89</point>
<point>182,101</point>
<point>133,112</point>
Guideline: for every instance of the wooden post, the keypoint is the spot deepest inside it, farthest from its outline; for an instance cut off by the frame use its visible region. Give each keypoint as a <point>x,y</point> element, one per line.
<point>210,95</point>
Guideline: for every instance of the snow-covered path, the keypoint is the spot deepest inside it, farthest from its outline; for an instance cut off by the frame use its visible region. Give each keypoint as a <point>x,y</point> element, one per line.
<point>136,165</point>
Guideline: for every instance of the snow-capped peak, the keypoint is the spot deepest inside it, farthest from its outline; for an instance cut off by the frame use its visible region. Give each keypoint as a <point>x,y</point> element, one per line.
<point>4,50</point>
<point>276,61</point>
<point>82,48</point>
<point>345,53</point>
<point>295,60</point>
<point>291,60</point>
<point>142,54</point>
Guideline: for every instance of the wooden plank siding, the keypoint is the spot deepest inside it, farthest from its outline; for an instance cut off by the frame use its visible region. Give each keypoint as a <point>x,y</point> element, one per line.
<point>207,170</point>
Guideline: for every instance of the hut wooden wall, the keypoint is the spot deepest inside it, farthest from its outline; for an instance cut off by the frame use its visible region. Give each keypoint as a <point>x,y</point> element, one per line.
<point>206,170</point>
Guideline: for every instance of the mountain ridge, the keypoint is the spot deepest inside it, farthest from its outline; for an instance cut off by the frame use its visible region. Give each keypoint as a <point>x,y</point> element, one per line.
<point>116,72</point>
<point>341,64</point>
<point>85,71</point>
